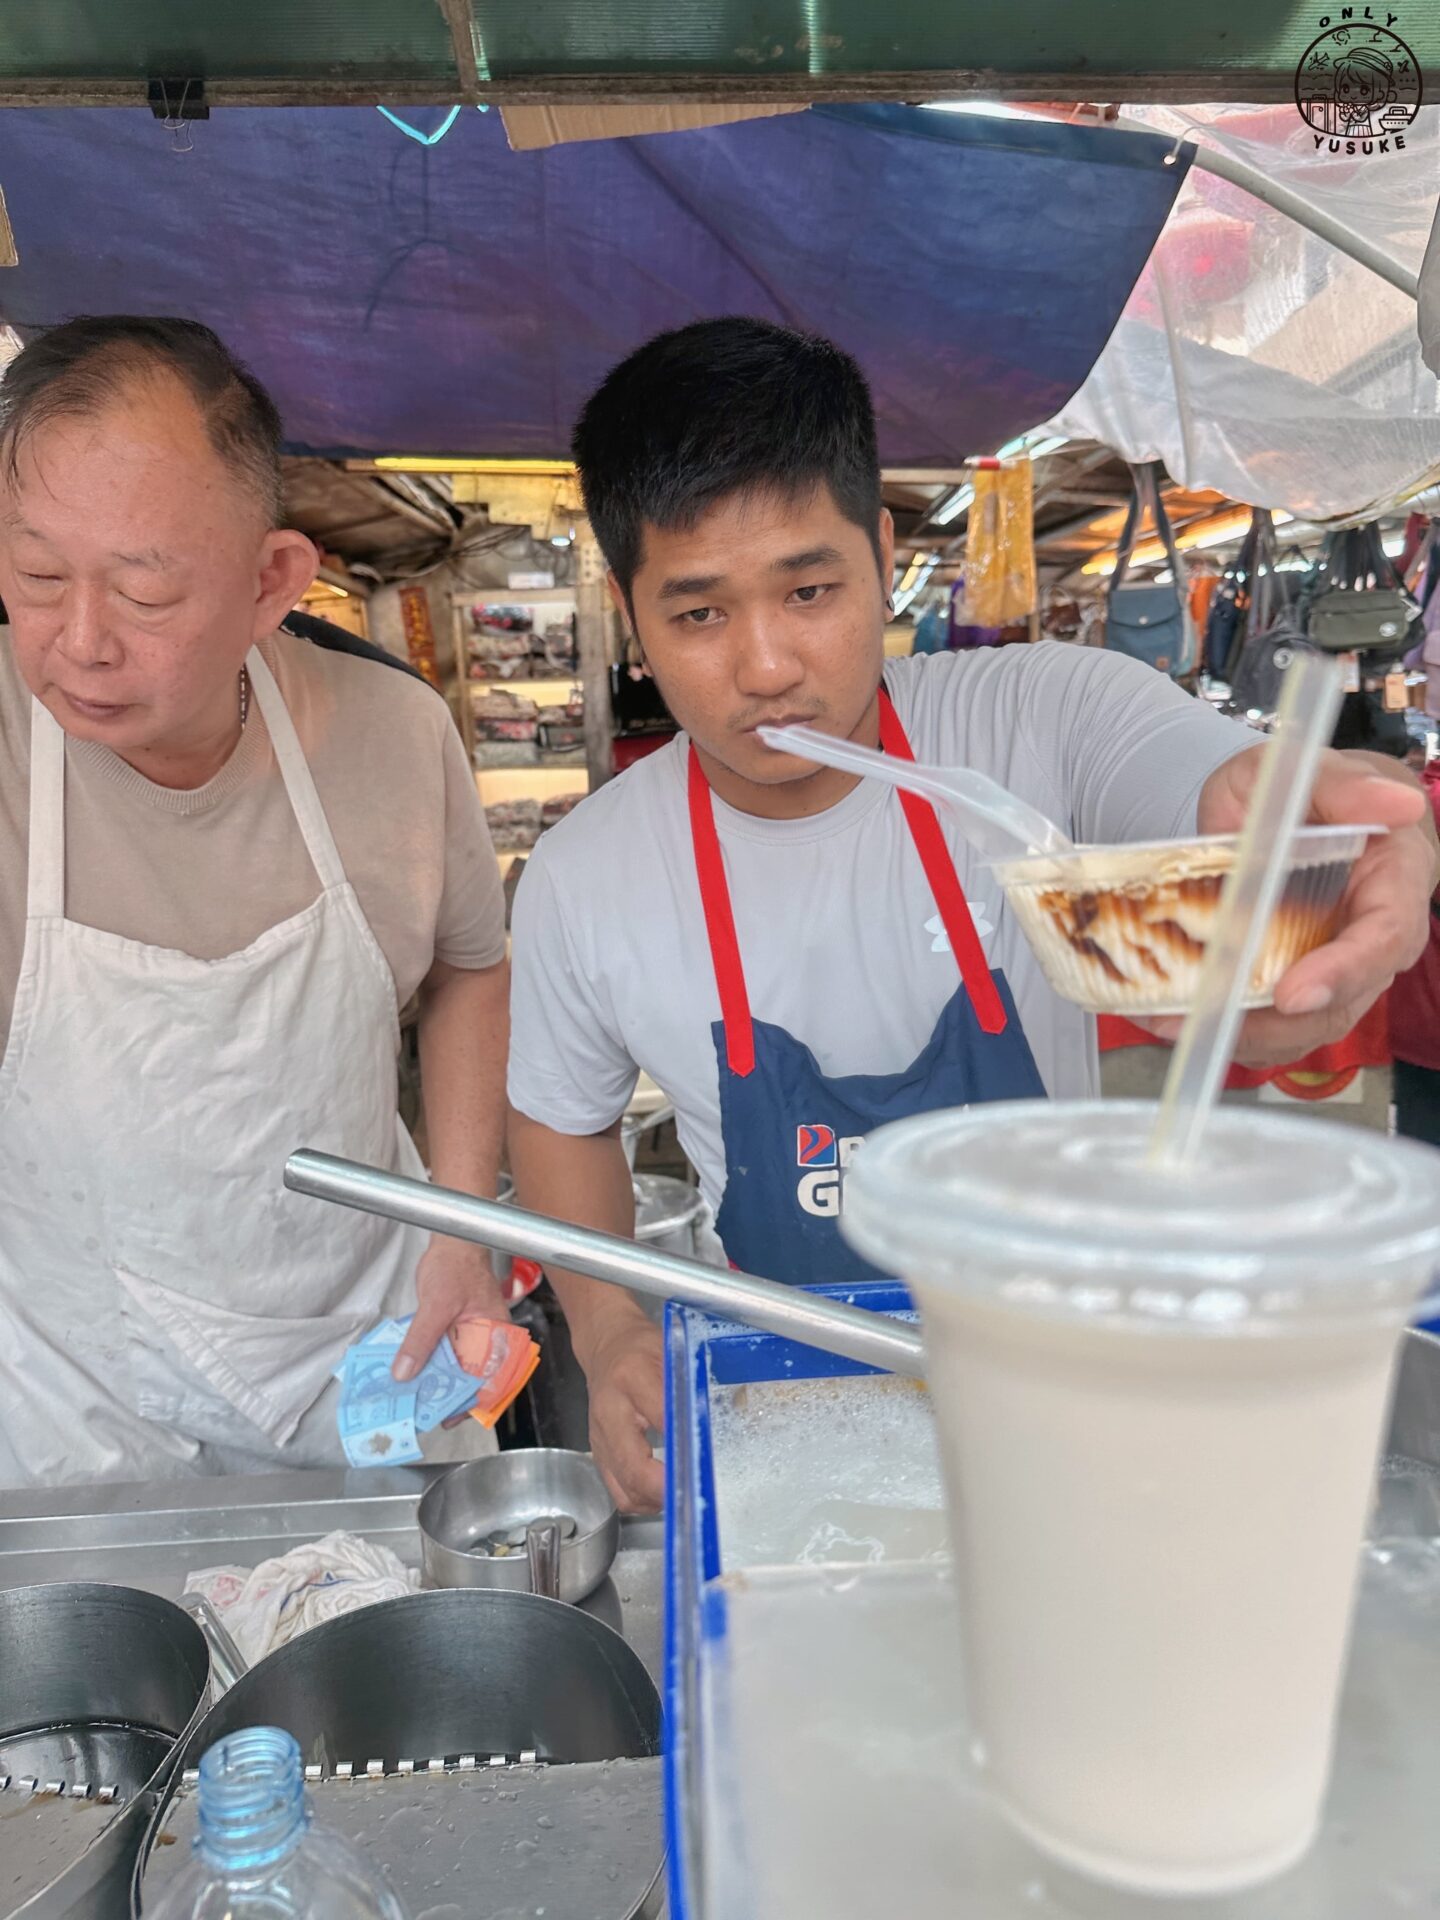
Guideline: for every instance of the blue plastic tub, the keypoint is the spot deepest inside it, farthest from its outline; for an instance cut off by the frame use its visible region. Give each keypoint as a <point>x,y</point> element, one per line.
<point>700,1349</point>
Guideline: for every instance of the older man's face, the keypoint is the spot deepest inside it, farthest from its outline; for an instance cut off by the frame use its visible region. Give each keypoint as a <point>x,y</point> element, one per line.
<point>137,571</point>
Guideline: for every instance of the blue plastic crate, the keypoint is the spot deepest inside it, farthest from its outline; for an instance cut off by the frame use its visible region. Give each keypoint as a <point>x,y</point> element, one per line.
<point>700,1348</point>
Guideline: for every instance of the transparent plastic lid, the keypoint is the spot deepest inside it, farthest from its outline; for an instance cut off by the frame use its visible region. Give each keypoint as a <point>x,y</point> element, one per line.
<point>1137,862</point>
<point>1049,1206</point>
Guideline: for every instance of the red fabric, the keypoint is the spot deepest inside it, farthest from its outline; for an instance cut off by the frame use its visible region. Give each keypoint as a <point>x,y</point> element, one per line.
<point>720,925</point>
<point>630,747</point>
<point>944,883</point>
<point>934,858</point>
<point>1366,1045</point>
<point>1415,996</point>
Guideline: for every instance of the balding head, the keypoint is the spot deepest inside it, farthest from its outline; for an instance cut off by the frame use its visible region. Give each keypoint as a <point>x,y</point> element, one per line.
<point>79,370</point>
<point>140,558</point>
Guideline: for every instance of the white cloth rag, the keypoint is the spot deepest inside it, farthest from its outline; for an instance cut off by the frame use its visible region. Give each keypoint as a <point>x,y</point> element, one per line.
<point>266,1606</point>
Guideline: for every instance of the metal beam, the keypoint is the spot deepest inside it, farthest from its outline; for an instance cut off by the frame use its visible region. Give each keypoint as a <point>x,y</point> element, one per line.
<point>791,1312</point>
<point>924,476</point>
<point>1256,84</point>
<point>464,38</point>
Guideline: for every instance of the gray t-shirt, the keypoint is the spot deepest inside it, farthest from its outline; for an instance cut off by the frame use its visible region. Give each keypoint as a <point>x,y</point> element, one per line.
<point>839,933</point>
<point>206,870</point>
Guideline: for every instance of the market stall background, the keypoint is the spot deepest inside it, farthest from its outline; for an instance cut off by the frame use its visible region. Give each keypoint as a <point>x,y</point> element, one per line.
<point>428,288</point>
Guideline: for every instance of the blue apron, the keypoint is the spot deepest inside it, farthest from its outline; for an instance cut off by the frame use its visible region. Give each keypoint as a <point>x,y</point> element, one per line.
<point>787,1128</point>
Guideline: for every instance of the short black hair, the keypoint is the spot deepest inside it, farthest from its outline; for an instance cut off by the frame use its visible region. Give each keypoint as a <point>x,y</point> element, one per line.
<point>78,368</point>
<point>718,408</point>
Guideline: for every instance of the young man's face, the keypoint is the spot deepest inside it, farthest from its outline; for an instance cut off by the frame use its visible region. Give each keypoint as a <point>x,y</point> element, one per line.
<point>770,609</point>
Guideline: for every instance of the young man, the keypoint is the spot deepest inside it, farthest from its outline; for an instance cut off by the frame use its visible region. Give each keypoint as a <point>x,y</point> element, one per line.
<point>796,956</point>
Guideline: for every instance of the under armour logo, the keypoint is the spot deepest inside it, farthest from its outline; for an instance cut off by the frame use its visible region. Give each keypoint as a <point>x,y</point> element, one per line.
<point>940,939</point>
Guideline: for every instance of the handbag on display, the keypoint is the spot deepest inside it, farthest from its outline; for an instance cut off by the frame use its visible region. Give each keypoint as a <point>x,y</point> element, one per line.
<point>1272,630</point>
<point>1227,624</point>
<point>1262,663</point>
<point>1150,622</point>
<point>1357,603</point>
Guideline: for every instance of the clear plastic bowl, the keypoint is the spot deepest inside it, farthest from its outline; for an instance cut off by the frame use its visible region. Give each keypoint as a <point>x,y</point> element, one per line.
<point>1123,929</point>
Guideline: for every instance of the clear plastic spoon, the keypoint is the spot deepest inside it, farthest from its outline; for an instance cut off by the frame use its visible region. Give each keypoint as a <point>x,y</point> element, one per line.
<point>1305,721</point>
<point>997,825</point>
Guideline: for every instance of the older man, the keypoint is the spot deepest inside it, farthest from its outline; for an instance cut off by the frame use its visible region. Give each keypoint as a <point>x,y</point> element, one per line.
<point>227,858</point>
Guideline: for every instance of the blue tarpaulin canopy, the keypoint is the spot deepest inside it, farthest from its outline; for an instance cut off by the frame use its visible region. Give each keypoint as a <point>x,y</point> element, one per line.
<point>464,299</point>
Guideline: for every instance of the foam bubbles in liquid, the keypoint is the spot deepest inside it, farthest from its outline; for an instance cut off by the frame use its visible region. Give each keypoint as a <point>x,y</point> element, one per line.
<point>812,1471</point>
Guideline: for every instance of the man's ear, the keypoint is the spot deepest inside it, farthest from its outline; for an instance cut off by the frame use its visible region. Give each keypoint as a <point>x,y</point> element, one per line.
<point>620,600</point>
<point>288,565</point>
<point>885,542</point>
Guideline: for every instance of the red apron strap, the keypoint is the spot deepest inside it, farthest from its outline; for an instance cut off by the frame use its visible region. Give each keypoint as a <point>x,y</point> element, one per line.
<point>940,871</point>
<point>720,924</point>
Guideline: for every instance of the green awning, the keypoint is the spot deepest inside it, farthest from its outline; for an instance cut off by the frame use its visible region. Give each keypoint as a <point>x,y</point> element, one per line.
<point>278,51</point>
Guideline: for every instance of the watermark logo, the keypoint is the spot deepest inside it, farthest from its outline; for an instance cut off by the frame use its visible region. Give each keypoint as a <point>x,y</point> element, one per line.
<point>1358,85</point>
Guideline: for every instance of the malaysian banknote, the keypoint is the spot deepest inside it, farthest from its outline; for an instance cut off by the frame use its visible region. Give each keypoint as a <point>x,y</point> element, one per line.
<point>501,1357</point>
<point>442,1387</point>
<point>377,1412</point>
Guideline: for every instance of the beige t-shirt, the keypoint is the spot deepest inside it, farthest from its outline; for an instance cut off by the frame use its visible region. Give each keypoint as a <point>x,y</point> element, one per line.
<point>208,871</point>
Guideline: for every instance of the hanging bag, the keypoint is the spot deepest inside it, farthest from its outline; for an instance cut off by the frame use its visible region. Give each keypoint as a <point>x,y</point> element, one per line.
<point>1151,622</point>
<point>1272,632</point>
<point>1358,604</point>
<point>1228,623</point>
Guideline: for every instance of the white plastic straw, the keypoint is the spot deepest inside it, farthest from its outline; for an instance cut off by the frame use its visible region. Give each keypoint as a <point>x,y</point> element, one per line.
<point>1305,721</point>
<point>997,823</point>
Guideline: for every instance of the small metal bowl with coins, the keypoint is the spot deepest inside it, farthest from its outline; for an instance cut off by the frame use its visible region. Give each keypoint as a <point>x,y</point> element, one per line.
<point>532,1520</point>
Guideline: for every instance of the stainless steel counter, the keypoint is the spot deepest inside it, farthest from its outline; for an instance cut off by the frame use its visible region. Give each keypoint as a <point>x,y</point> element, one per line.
<point>152,1535</point>
<point>600,1817</point>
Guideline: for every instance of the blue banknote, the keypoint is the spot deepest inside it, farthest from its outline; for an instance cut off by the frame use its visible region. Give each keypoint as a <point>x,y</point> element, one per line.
<point>380,1416</point>
<point>377,1412</point>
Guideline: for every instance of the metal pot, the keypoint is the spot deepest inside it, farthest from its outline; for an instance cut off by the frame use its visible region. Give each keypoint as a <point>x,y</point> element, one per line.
<point>456,1714</point>
<point>498,1498</point>
<point>667,1214</point>
<point>100,1686</point>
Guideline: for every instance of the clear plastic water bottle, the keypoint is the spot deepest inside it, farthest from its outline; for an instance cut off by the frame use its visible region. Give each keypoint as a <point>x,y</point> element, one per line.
<point>258,1854</point>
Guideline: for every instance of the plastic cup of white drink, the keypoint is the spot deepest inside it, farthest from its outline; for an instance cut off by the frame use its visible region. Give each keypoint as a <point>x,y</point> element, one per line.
<point>1160,1402</point>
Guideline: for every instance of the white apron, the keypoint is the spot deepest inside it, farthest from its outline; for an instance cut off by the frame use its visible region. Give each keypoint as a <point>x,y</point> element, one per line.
<point>166,1307</point>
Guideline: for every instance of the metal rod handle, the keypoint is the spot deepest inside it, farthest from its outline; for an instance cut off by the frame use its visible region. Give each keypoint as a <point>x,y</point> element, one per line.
<point>870,1338</point>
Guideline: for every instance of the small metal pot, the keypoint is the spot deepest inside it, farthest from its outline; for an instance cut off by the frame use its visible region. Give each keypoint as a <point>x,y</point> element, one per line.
<point>99,1688</point>
<point>499,1498</point>
<point>668,1214</point>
